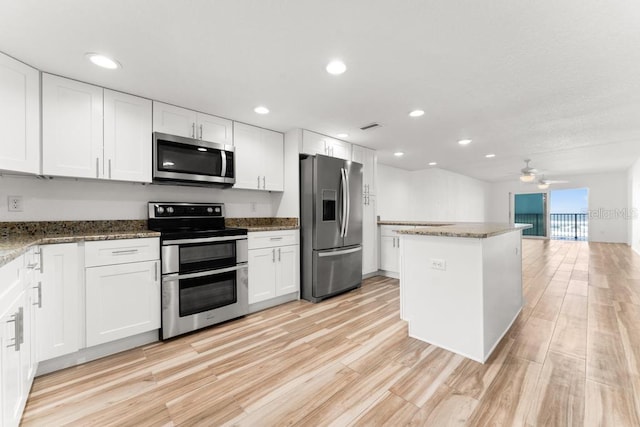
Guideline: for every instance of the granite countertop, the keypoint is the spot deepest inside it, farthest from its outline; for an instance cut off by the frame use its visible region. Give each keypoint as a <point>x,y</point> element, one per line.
<point>478,230</point>
<point>271,227</point>
<point>263,223</point>
<point>415,223</point>
<point>16,238</point>
<point>469,230</point>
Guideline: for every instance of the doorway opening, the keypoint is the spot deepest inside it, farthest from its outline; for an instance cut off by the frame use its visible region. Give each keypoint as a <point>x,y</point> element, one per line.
<point>531,209</point>
<point>569,219</point>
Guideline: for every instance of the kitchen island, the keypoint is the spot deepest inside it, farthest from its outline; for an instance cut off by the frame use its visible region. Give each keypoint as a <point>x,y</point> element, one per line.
<point>461,284</point>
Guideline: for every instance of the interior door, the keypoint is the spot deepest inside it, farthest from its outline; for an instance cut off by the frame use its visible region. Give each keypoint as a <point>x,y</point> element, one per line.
<point>327,181</point>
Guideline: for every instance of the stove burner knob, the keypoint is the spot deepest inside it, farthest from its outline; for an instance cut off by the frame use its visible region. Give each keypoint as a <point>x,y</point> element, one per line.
<point>210,210</point>
<point>170,210</point>
<point>160,210</point>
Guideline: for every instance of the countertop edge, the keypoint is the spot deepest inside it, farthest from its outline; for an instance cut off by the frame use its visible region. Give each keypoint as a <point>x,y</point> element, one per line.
<point>258,228</point>
<point>29,241</point>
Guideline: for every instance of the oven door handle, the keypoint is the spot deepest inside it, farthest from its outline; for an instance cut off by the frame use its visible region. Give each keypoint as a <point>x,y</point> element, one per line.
<point>203,240</point>
<point>176,276</point>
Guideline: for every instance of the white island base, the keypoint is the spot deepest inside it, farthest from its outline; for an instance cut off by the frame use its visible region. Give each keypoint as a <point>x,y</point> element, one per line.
<point>458,293</point>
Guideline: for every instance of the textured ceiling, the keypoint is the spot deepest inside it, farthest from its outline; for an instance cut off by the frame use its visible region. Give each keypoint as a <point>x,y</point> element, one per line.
<point>554,81</point>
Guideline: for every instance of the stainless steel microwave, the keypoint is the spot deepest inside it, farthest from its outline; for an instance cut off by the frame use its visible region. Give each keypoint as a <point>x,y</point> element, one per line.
<point>190,161</point>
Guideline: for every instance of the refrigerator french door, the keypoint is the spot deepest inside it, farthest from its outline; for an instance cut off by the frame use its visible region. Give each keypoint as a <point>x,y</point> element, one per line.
<point>331,226</point>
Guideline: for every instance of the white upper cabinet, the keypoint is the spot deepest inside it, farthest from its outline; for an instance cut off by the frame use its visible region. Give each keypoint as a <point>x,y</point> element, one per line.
<point>91,132</point>
<point>191,124</point>
<point>19,116</point>
<point>367,157</point>
<point>259,158</point>
<point>72,134</point>
<point>215,129</point>
<point>174,120</point>
<point>127,137</point>
<point>315,143</point>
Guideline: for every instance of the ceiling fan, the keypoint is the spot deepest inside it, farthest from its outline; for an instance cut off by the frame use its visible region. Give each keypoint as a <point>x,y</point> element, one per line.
<point>528,174</point>
<point>543,184</point>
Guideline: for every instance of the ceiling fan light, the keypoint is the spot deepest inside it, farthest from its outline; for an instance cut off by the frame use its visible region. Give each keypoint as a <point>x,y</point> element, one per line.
<point>527,177</point>
<point>543,186</point>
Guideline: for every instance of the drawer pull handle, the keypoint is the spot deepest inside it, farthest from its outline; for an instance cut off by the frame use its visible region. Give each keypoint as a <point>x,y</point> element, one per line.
<point>124,252</point>
<point>276,238</point>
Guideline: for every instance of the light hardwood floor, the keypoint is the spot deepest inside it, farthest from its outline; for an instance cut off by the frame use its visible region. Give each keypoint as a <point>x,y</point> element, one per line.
<point>572,358</point>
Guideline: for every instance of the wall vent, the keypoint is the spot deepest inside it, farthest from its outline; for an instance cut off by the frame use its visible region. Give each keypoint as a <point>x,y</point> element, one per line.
<point>370,126</point>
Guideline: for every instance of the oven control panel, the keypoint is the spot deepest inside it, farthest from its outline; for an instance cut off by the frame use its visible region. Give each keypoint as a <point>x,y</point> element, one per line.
<point>185,210</point>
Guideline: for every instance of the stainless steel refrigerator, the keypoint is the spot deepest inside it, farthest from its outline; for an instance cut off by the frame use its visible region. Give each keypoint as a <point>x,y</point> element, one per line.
<point>331,226</point>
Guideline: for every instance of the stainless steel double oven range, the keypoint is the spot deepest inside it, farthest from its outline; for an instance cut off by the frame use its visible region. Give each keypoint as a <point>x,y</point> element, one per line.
<point>204,266</point>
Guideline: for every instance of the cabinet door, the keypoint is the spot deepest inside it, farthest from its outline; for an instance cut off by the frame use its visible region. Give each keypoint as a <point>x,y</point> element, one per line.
<point>389,254</point>
<point>339,149</point>
<point>250,157</point>
<point>313,143</point>
<point>127,137</point>
<point>59,321</point>
<point>368,159</point>
<point>369,235</point>
<point>12,374</point>
<point>174,120</point>
<point>71,128</point>
<point>214,129</point>
<point>262,274</point>
<point>273,161</point>
<point>287,270</point>
<point>19,116</point>
<point>122,300</point>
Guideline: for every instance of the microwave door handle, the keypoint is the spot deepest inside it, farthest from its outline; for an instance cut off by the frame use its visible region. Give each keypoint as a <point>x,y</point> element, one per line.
<point>223,155</point>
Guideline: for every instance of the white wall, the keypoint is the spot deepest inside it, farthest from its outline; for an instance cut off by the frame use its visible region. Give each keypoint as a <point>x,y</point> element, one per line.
<point>429,195</point>
<point>70,199</point>
<point>633,179</point>
<point>608,193</point>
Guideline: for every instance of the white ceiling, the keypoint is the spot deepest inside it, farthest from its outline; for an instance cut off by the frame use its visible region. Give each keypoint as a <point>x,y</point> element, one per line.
<point>554,81</point>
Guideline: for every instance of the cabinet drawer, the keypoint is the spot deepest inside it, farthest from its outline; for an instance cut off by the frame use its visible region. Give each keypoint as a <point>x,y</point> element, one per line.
<point>108,252</point>
<point>269,239</point>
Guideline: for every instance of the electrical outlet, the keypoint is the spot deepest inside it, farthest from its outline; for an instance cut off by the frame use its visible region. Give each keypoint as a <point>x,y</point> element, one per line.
<point>253,206</point>
<point>15,203</point>
<point>438,264</point>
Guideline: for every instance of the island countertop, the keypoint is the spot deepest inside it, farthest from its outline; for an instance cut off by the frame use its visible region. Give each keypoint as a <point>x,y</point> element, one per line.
<point>478,230</point>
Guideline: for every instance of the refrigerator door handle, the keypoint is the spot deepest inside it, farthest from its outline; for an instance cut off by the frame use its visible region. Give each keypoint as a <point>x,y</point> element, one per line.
<point>343,213</point>
<point>343,252</point>
<point>348,198</point>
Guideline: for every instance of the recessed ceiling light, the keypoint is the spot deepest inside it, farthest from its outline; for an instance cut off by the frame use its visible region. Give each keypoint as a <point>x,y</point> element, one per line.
<point>490,156</point>
<point>398,154</point>
<point>103,61</point>
<point>336,67</point>
<point>416,113</point>
<point>202,149</point>
<point>261,110</point>
<point>343,135</point>
<point>464,142</point>
<point>433,163</point>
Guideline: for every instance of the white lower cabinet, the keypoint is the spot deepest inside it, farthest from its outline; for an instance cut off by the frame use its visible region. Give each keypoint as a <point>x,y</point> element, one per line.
<point>369,235</point>
<point>122,289</point>
<point>274,264</point>
<point>390,249</point>
<point>17,336</point>
<point>121,300</point>
<point>60,319</point>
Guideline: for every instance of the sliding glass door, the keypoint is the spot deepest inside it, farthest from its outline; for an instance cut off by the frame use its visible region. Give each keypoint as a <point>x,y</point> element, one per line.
<point>531,209</point>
